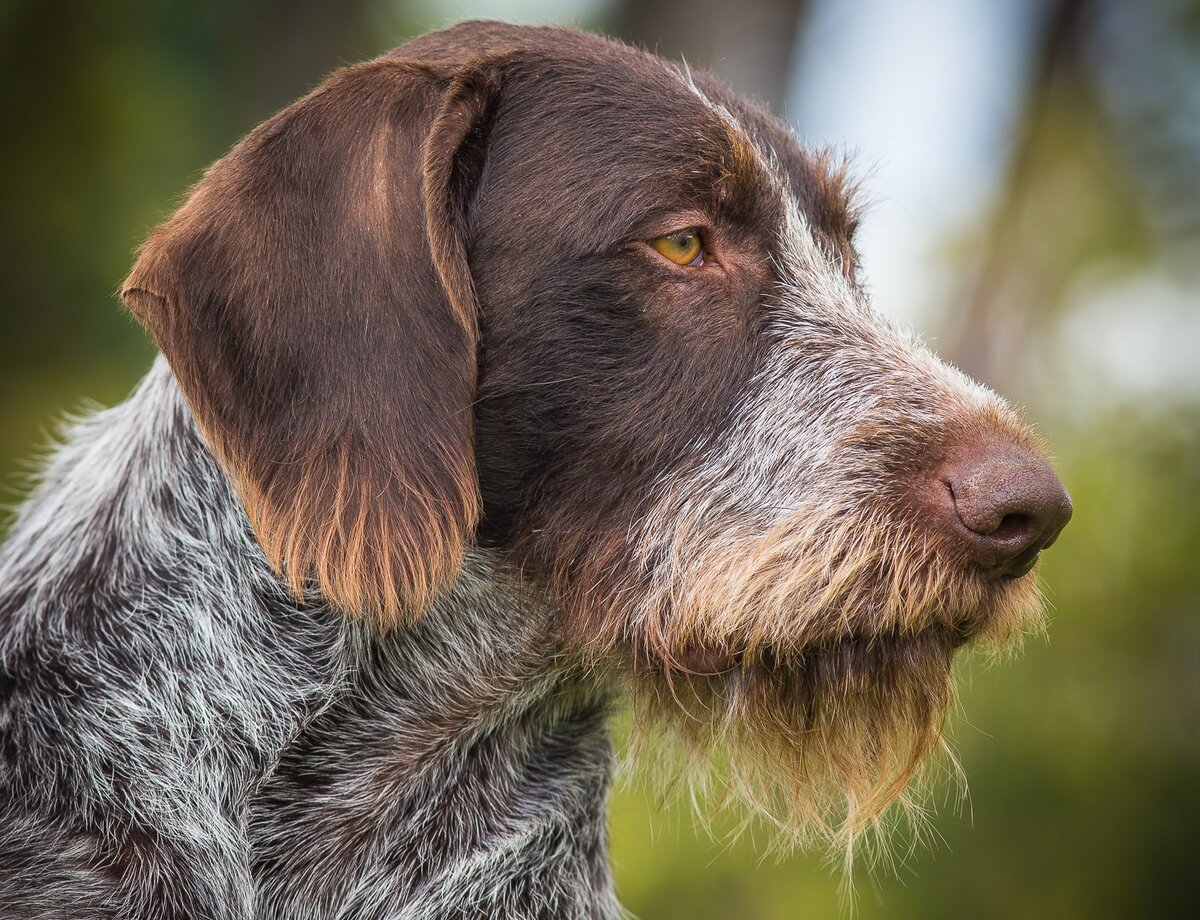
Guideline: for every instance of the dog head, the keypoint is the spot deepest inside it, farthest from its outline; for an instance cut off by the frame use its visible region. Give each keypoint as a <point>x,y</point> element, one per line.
<point>536,290</point>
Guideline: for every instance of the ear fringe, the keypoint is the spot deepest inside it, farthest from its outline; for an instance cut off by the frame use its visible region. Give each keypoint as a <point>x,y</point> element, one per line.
<point>375,549</point>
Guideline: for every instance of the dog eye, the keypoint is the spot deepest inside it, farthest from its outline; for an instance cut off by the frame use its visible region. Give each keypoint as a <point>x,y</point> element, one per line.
<point>683,247</point>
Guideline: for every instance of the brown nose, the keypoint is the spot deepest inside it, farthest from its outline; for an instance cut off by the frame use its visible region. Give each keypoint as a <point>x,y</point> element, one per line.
<point>1010,506</point>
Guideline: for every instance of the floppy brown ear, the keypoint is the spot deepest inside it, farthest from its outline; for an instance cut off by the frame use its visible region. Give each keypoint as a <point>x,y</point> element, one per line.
<point>314,301</point>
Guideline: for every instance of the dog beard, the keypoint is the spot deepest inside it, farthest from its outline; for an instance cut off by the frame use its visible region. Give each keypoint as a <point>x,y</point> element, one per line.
<point>819,744</point>
<point>810,665</point>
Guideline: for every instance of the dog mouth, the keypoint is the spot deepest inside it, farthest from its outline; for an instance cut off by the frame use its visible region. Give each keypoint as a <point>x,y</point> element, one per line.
<point>994,611</point>
<point>859,654</point>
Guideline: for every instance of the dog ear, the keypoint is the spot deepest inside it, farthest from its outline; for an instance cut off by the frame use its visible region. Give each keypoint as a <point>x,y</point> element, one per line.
<point>314,301</point>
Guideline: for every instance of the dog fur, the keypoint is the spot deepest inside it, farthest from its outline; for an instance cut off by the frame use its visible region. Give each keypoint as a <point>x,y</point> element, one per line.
<point>442,462</point>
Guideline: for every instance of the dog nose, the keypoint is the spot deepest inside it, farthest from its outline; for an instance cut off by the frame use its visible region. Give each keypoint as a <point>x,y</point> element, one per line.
<point>1009,506</point>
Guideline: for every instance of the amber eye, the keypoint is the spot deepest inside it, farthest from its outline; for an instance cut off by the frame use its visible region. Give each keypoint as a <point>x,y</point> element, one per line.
<point>683,247</point>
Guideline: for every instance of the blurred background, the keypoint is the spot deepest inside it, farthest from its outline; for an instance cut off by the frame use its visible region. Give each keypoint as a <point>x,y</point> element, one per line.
<point>1032,172</point>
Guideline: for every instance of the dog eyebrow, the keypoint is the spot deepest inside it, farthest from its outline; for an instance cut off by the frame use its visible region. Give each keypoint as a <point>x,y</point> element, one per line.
<point>747,161</point>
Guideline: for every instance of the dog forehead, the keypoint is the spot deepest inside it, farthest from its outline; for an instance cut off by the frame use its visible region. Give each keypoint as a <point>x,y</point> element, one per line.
<point>627,143</point>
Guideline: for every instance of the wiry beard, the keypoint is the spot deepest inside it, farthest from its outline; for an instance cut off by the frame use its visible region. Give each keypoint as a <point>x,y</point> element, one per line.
<point>811,660</point>
<point>819,745</point>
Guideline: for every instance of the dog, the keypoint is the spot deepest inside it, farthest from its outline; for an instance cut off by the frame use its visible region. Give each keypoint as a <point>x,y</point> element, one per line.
<point>506,377</point>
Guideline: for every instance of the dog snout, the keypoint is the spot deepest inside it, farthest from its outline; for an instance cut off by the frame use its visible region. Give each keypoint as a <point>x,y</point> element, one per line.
<point>1005,504</point>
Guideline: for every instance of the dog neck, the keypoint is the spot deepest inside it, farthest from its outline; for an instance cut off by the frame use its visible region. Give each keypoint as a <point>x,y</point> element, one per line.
<point>463,758</point>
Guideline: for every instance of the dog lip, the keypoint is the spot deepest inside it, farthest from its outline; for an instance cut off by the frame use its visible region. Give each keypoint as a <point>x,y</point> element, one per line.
<point>1015,568</point>
<point>1021,566</point>
<point>713,665</point>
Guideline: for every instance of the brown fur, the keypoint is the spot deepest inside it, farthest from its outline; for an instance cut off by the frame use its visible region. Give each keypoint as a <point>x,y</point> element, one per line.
<point>323,259</point>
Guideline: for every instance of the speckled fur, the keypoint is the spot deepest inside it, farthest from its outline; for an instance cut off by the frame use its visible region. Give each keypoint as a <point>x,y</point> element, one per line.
<point>178,738</point>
